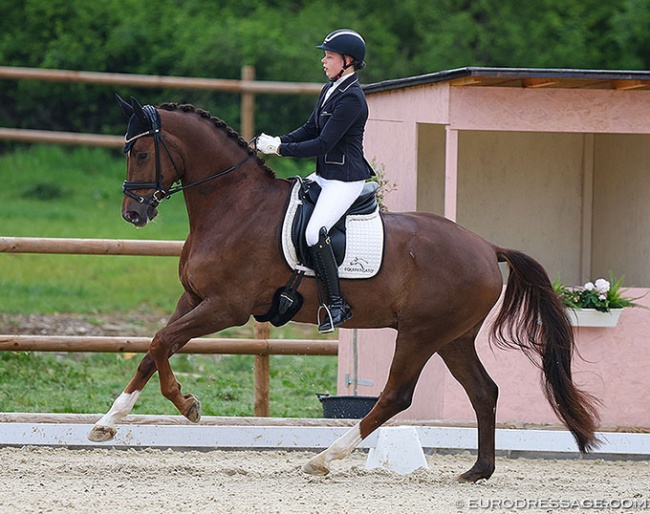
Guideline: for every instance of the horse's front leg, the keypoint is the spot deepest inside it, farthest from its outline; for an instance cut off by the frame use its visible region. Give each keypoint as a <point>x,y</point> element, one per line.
<point>164,345</point>
<point>104,429</point>
<point>206,318</point>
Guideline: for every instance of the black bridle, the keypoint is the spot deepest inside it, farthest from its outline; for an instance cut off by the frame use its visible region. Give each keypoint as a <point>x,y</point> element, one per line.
<point>161,193</point>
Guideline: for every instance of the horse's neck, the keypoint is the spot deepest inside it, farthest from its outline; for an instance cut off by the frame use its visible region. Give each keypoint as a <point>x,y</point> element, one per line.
<point>227,201</point>
<point>223,200</point>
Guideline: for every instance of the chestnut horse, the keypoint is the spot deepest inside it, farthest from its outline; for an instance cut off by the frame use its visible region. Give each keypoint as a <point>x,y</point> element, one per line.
<point>437,284</point>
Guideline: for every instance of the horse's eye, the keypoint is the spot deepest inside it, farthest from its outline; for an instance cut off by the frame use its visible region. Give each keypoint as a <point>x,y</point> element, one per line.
<point>141,156</point>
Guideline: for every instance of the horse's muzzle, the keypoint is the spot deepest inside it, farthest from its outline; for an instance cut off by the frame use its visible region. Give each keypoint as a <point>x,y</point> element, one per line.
<point>140,215</point>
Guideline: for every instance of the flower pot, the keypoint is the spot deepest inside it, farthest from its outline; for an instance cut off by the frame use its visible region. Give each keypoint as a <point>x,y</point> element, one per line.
<point>347,407</point>
<point>593,318</point>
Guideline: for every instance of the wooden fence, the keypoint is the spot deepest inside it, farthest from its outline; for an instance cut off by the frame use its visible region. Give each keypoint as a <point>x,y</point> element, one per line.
<point>261,346</point>
<point>248,87</point>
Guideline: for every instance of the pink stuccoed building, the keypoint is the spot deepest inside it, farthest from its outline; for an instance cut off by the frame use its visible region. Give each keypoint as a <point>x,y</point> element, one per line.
<point>552,162</point>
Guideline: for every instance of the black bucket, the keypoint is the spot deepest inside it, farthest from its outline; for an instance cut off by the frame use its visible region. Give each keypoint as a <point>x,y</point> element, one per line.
<point>347,407</point>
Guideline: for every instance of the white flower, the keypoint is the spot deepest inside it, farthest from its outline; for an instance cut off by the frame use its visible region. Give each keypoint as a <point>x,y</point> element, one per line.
<point>589,286</point>
<point>602,286</point>
<point>602,297</point>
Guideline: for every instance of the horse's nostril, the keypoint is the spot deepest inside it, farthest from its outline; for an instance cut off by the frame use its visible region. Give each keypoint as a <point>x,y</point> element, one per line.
<point>131,216</point>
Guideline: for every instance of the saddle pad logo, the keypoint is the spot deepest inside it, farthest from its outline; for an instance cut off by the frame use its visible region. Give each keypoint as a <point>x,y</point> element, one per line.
<point>358,265</point>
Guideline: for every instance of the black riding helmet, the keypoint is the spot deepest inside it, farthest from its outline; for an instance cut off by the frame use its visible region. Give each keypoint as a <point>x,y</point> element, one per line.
<point>346,42</point>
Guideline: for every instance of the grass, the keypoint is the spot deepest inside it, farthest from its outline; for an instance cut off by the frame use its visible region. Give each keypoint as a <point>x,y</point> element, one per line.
<point>51,191</point>
<point>88,383</point>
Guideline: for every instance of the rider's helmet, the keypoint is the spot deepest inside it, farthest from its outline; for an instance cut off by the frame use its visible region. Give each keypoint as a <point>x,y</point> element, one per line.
<point>346,42</point>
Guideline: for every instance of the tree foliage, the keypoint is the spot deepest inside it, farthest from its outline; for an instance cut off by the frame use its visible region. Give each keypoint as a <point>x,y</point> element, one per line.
<point>214,38</point>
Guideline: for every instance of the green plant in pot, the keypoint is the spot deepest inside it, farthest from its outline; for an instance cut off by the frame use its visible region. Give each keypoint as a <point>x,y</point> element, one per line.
<point>601,295</point>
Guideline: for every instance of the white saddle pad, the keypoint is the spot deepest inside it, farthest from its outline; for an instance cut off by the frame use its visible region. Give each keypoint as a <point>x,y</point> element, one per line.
<point>364,248</point>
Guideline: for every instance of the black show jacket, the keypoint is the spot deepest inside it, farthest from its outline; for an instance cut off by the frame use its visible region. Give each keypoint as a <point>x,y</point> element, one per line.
<point>334,134</point>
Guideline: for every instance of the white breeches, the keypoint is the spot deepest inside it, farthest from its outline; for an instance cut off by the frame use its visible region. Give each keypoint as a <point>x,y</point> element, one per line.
<point>335,198</point>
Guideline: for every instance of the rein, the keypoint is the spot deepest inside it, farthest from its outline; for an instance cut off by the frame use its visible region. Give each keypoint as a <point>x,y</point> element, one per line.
<point>160,192</point>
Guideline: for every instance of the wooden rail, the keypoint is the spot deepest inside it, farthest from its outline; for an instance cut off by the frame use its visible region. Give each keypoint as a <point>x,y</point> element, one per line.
<point>90,246</point>
<point>157,81</point>
<point>262,346</point>
<point>247,87</point>
<point>209,346</point>
<point>61,138</point>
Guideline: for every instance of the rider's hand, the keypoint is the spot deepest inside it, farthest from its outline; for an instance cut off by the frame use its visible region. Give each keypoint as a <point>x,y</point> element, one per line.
<point>268,144</point>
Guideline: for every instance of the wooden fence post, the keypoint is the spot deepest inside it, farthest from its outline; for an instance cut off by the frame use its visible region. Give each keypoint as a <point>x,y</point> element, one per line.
<point>262,374</point>
<point>247,105</point>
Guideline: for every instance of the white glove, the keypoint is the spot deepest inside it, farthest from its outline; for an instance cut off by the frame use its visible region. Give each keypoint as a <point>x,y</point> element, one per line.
<point>268,144</point>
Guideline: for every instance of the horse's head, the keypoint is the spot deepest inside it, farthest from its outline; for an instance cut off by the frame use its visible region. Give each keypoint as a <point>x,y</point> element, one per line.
<point>149,177</point>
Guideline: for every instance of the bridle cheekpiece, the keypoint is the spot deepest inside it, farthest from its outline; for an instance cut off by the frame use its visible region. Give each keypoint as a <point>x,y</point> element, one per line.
<point>160,193</point>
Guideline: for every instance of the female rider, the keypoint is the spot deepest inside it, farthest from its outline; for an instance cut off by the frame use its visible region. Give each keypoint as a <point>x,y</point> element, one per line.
<point>334,135</point>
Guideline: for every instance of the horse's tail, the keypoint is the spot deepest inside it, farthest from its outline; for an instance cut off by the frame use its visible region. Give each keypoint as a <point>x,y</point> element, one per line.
<point>532,318</point>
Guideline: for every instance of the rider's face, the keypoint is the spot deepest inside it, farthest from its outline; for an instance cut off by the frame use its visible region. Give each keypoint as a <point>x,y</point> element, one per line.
<point>332,64</point>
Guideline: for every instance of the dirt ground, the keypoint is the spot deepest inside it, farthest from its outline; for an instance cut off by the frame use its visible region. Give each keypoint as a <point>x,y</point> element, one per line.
<point>56,480</point>
<point>82,324</point>
<point>39,480</point>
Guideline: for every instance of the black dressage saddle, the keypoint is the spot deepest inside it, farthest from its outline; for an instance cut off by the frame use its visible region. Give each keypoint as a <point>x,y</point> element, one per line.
<point>287,301</point>
<point>366,203</point>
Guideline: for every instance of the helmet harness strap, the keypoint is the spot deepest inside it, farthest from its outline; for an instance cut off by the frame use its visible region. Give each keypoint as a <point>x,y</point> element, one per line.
<point>346,65</point>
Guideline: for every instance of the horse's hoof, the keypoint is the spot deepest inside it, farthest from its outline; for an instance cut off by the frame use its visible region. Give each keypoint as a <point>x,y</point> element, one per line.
<point>312,468</point>
<point>193,413</point>
<point>100,434</point>
<point>472,476</point>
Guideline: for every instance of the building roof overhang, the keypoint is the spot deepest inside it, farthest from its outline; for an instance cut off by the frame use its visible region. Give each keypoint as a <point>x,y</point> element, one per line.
<point>523,78</point>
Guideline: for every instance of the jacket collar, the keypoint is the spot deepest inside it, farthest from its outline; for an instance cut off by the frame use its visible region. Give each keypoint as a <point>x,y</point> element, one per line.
<point>341,85</point>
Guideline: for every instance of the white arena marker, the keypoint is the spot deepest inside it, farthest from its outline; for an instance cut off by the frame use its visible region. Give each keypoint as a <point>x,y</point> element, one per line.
<point>398,449</point>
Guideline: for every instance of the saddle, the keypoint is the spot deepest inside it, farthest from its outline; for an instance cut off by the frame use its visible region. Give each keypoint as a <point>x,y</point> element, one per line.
<point>363,217</point>
<point>366,203</point>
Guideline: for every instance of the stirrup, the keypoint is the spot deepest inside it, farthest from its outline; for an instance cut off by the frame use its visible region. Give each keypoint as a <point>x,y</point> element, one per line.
<point>328,314</point>
<point>345,314</point>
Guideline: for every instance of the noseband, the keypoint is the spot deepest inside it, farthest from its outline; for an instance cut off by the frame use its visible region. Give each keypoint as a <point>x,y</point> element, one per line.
<point>160,193</point>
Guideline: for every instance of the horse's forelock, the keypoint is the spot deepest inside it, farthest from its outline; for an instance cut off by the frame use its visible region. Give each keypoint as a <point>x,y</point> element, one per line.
<point>220,124</point>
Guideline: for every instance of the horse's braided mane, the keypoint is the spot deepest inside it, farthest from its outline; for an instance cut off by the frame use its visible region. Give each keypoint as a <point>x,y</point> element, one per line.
<point>220,124</point>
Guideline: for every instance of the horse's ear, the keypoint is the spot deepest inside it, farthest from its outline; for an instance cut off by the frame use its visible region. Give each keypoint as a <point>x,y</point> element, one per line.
<point>137,110</point>
<point>126,107</point>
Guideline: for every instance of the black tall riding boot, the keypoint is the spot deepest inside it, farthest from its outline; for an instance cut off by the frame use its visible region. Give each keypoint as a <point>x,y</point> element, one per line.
<point>337,311</point>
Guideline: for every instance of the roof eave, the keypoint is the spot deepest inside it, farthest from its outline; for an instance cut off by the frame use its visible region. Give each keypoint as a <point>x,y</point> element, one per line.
<point>514,73</point>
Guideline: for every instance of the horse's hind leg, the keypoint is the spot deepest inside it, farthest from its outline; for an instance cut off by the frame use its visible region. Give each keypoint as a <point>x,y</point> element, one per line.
<point>408,362</point>
<point>463,363</point>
